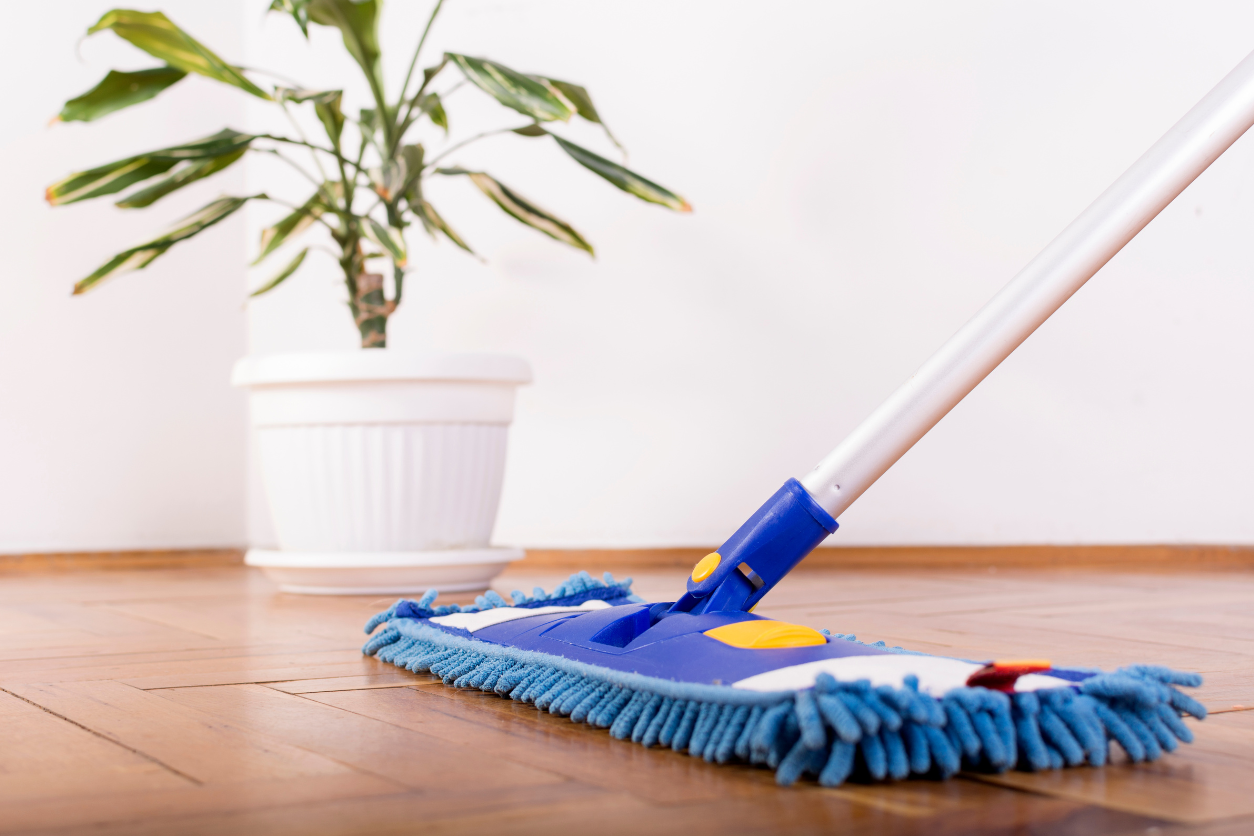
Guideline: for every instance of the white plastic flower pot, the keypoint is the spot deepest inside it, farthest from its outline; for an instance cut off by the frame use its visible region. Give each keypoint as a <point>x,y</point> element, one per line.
<point>383,469</point>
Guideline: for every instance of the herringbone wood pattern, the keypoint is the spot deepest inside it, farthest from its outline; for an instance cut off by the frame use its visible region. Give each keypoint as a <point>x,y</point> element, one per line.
<point>199,700</point>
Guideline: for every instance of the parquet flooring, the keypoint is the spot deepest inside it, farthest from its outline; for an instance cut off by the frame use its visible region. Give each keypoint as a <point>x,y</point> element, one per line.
<point>200,700</point>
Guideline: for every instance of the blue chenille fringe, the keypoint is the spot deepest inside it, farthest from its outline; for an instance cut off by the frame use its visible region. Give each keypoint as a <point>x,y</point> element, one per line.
<point>834,731</point>
<point>578,588</point>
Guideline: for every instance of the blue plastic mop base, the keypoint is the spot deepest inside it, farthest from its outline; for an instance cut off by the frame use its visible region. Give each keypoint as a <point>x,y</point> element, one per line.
<point>834,731</point>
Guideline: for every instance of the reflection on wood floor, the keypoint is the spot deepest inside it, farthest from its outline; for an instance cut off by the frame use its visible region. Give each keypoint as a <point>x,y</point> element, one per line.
<point>199,700</point>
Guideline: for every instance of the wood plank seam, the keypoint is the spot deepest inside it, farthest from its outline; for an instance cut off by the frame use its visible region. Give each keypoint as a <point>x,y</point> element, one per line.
<point>316,719</point>
<point>105,737</point>
<point>276,643</point>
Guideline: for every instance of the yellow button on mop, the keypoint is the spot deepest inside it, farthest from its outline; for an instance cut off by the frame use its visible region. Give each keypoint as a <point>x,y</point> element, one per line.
<point>706,566</point>
<point>763,634</point>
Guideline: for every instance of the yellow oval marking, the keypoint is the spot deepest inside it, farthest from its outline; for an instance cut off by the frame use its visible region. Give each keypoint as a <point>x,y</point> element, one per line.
<point>765,633</point>
<point>706,566</point>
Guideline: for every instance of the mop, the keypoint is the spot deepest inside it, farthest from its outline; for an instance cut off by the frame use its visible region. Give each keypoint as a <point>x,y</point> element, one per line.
<point>705,675</point>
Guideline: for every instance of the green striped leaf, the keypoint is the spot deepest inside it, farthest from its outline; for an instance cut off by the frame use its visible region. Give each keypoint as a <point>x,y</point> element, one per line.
<point>369,121</point>
<point>521,209</point>
<point>136,258</point>
<point>358,22</point>
<point>389,180</point>
<point>299,11</point>
<point>432,221</point>
<point>530,96</point>
<point>118,90</point>
<point>624,178</point>
<point>116,176</point>
<point>292,267</point>
<point>186,175</point>
<point>578,96</point>
<point>389,239</point>
<point>290,226</point>
<point>431,72</point>
<point>155,34</point>
<point>431,105</point>
<point>331,115</point>
<point>327,107</point>
<point>107,179</point>
<point>411,156</point>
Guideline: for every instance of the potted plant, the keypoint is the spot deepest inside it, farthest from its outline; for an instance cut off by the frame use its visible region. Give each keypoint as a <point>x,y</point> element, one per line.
<point>383,469</point>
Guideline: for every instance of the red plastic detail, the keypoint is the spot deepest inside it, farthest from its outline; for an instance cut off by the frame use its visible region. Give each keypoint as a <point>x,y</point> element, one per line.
<point>1002,676</point>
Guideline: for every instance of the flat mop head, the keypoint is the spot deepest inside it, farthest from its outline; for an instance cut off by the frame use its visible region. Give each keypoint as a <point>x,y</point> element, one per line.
<point>706,676</point>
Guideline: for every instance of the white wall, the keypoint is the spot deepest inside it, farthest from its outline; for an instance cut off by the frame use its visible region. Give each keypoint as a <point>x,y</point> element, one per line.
<point>117,427</point>
<point>865,176</point>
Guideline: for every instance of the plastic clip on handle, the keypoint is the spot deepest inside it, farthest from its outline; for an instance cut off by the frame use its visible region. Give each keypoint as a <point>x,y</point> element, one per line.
<point>1071,259</point>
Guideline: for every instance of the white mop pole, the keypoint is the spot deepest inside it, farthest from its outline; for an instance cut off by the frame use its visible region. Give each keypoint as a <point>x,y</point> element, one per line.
<point>1037,291</point>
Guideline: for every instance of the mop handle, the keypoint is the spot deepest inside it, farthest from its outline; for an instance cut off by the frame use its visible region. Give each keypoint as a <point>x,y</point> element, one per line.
<point>1037,291</point>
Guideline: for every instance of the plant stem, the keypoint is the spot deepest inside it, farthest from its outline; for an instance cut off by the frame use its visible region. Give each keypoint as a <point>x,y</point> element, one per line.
<point>380,101</point>
<point>331,151</point>
<point>372,310</point>
<point>349,190</point>
<point>398,277</point>
<point>413,62</point>
<point>294,207</point>
<point>466,142</point>
<point>295,84</point>
<point>320,186</point>
<point>312,151</point>
<point>396,141</point>
<point>361,155</point>
<point>459,85</point>
<point>367,139</point>
<point>276,152</point>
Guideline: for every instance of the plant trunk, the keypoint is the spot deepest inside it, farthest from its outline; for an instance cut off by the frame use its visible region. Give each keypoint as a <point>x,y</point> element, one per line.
<point>371,310</point>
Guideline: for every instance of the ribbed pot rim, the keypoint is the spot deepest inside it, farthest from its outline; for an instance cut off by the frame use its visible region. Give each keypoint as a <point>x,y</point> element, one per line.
<point>374,364</point>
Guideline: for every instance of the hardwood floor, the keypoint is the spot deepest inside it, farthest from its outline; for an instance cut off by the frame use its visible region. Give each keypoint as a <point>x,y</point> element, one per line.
<point>199,700</point>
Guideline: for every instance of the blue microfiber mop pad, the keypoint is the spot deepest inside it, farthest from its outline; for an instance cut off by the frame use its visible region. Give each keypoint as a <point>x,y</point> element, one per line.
<point>799,702</point>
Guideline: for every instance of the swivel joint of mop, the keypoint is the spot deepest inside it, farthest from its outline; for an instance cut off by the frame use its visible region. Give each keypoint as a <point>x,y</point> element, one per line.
<point>770,543</point>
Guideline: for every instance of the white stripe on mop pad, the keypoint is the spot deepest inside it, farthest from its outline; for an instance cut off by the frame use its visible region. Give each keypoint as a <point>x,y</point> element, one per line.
<point>937,674</point>
<point>472,621</point>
